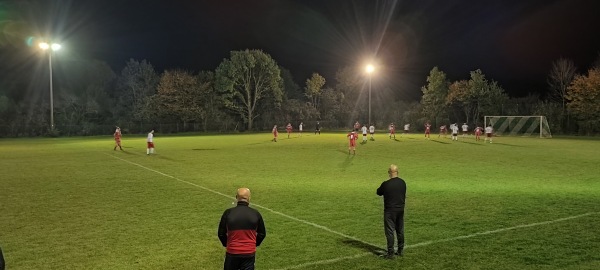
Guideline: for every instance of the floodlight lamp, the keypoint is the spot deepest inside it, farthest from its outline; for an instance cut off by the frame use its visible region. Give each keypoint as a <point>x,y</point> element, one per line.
<point>370,69</point>
<point>44,45</point>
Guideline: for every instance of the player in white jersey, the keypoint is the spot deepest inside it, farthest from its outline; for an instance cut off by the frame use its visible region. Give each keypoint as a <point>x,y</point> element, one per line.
<point>300,128</point>
<point>364,132</point>
<point>454,128</point>
<point>465,129</point>
<point>150,143</point>
<point>372,132</point>
<point>489,131</point>
<point>406,129</point>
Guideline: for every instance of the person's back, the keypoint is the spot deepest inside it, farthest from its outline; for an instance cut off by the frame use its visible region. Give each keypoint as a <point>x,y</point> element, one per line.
<point>394,194</point>
<point>2,263</point>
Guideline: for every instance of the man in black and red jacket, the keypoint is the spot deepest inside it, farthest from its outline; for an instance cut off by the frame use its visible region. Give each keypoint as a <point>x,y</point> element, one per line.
<point>241,230</point>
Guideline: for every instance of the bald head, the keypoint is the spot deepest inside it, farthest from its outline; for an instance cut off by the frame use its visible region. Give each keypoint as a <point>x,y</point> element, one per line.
<point>393,170</point>
<point>243,195</point>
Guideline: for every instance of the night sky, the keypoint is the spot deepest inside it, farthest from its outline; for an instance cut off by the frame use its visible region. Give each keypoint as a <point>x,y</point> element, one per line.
<point>513,42</point>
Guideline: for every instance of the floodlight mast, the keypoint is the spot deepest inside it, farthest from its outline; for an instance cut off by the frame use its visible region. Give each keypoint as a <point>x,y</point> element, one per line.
<point>370,69</point>
<point>50,48</point>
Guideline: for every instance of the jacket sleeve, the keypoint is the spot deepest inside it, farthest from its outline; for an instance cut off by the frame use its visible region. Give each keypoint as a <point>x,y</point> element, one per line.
<point>380,190</point>
<point>261,231</point>
<point>222,232</point>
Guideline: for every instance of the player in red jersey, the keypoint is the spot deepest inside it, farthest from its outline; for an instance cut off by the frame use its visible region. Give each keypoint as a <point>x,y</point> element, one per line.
<point>117,136</point>
<point>288,128</point>
<point>392,130</point>
<point>478,131</point>
<point>275,133</point>
<point>427,130</point>
<point>356,126</point>
<point>442,131</point>
<point>353,136</point>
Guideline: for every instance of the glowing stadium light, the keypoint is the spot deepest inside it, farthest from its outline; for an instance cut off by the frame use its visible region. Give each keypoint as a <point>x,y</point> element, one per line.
<point>55,46</point>
<point>370,68</point>
<point>44,46</point>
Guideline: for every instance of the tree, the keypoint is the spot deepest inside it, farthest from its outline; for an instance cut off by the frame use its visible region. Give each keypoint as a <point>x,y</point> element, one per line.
<point>561,76</point>
<point>460,95</point>
<point>348,86</point>
<point>291,89</point>
<point>179,96</point>
<point>434,93</point>
<point>245,79</point>
<point>138,80</point>
<point>584,99</point>
<point>313,88</point>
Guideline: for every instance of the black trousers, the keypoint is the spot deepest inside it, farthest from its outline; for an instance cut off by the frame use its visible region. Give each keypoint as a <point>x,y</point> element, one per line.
<point>237,262</point>
<point>394,222</point>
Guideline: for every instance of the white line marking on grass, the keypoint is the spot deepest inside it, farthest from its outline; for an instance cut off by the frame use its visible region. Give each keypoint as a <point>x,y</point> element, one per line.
<point>259,206</point>
<point>364,254</point>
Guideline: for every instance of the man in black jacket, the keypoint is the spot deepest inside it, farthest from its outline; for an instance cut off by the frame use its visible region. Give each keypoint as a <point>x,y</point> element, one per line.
<point>241,230</point>
<point>394,195</point>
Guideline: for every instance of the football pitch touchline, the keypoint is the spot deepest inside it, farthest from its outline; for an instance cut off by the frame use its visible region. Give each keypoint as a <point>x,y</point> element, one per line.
<point>364,254</point>
<point>259,206</point>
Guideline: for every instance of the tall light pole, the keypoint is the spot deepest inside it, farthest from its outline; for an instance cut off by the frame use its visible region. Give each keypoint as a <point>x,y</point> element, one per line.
<point>53,47</point>
<point>370,68</point>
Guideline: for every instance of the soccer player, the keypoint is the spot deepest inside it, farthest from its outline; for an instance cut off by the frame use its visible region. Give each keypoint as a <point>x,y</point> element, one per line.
<point>117,136</point>
<point>275,133</point>
<point>392,130</point>
<point>427,130</point>
<point>406,129</point>
<point>442,131</point>
<point>465,129</point>
<point>489,131</point>
<point>150,143</point>
<point>288,128</point>
<point>478,131</point>
<point>372,132</point>
<point>352,136</point>
<point>300,128</point>
<point>356,126</point>
<point>364,132</point>
<point>318,128</point>
<point>454,128</point>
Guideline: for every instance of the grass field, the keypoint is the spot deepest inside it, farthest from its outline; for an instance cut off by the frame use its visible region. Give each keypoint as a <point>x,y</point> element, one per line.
<point>519,203</point>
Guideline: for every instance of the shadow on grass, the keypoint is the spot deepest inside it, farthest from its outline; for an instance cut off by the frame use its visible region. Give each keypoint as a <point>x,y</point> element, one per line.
<point>346,161</point>
<point>508,144</point>
<point>474,143</point>
<point>364,246</point>
<point>440,142</point>
<point>204,149</point>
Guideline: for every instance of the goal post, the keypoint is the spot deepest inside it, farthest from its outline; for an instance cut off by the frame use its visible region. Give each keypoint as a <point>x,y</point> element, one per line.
<point>519,125</point>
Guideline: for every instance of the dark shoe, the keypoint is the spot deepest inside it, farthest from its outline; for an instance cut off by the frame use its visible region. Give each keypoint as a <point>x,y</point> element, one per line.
<point>399,253</point>
<point>387,256</point>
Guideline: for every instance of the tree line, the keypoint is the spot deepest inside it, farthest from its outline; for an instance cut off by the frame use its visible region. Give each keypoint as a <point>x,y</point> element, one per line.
<point>249,91</point>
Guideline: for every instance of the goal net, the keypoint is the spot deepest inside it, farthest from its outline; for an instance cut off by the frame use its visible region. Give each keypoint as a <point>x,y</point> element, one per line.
<point>519,125</point>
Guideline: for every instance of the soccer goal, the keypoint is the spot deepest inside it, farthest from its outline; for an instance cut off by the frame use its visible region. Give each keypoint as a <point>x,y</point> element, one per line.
<point>519,125</point>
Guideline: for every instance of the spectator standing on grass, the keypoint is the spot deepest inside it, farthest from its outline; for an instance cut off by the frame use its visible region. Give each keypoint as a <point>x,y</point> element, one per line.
<point>117,136</point>
<point>150,143</point>
<point>241,230</point>
<point>394,194</point>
